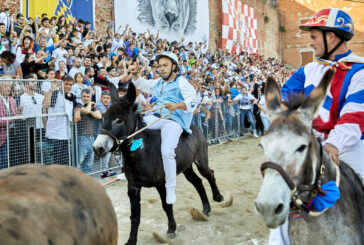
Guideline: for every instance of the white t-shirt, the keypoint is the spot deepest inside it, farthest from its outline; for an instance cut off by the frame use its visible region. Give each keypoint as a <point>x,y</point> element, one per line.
<point>245,101</point>
<point>116,44</point>
<point>73,72</point>
<point>115,81</point>
<point>4,18</point>
<point>87,42</point>
<point>262,103</point>
<point>45,87</point>
<point>60,55</point>
<point>32,108</point>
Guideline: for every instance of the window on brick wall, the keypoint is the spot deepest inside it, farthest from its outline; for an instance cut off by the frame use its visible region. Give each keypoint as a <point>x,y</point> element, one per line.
<point>302,21</point>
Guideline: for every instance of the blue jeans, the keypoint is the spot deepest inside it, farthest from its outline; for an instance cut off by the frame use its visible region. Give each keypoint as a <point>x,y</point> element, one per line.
<point>249,114</point>
<point>60,150</point>
<point>85,153</point>
<point>4,156</point>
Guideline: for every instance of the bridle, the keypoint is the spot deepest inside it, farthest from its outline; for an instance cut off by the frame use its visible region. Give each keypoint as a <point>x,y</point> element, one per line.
<point>296,203</point>
<point>118,141</point>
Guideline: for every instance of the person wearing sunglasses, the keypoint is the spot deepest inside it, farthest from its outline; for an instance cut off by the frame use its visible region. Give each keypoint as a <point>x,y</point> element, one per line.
<point>31,102</point>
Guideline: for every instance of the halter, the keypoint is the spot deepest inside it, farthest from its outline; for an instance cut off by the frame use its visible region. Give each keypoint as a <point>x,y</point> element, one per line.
<point>296,203</point>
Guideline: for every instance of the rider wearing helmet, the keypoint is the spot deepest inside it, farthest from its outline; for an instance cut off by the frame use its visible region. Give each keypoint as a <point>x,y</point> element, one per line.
<point>178,97</point>
<point>340,124</point>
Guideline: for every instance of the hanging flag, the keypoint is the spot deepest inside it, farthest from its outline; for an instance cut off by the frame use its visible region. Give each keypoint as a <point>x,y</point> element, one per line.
<point>63,8</point>
<point>239,27</point>
<point>81,9</point>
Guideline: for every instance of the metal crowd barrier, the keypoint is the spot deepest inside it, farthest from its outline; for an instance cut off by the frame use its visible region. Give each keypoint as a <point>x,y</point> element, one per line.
<point>35,127</point>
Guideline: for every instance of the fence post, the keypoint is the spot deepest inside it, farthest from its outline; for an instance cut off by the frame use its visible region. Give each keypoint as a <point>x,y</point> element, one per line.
<point>238,119</point>
<point>8,142</point>
<point>216,123</point>
<point>41,145</point>
<point>74,143</point>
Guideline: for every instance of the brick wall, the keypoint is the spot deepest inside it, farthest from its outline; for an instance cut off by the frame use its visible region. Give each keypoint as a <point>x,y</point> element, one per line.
<point>268,28</point>
<point>215,9</point>
<point>104,12</point>
<point>295,42</point>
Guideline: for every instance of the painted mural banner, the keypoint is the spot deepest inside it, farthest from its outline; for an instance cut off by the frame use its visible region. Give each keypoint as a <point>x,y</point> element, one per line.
<point>174,18</point>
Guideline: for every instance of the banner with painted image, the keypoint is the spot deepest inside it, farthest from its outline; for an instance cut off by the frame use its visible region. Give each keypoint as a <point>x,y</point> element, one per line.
<point>174,18</point>
<point>81,9</point>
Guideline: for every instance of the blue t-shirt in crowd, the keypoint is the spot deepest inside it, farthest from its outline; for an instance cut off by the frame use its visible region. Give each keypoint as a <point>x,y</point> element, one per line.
<point>101,106</point>
<point>234,92</point>
<point>87,82</point>
<point>50,49</point>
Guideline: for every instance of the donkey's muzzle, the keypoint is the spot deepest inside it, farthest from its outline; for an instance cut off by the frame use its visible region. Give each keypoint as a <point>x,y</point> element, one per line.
<point>272,213</point>
<point>99,151</point>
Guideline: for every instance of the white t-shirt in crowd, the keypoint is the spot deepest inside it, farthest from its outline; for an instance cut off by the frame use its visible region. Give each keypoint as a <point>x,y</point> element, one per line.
<point>262,103</point>
<point>116,44</point>
<point>32,107</point>
<point>60,55</point>
<point>245,101</point>
<point>115,81</point>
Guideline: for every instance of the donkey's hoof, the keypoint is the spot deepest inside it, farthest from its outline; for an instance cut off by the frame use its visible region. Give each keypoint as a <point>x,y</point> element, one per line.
<point>171,235</point>
<point>218,198</point>
<point>206,213</point>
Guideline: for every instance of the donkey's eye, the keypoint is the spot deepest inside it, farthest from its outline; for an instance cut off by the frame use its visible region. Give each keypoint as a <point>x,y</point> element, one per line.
<point>119,121</point>
<point>301,148</point>
<point>260,145</point>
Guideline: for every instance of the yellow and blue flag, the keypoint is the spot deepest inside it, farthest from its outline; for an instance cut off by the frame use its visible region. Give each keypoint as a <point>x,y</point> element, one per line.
<point>81,9</point>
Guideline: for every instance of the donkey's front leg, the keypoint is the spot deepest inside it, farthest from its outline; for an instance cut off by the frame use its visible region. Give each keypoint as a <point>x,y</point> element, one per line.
<point>134,196</point>
<point>168,208</point>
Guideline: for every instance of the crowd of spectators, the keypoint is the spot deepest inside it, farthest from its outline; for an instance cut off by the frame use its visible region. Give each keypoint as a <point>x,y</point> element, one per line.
<point>95,68</point>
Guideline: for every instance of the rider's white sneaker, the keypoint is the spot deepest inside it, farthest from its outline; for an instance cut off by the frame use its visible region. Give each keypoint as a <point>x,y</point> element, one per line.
<point>170,196</point>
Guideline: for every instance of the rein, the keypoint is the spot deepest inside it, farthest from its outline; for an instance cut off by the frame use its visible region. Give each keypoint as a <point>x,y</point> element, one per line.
<point>120,141</point>
<point>296,203</point>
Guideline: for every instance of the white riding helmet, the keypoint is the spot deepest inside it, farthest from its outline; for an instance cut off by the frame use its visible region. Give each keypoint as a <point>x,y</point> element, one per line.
<point>171,56</point>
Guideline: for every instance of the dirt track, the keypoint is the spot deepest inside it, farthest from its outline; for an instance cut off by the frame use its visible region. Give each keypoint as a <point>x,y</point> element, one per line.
<point>236,166</point>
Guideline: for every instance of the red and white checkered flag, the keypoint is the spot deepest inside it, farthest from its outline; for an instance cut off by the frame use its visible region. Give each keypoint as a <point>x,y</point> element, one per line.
<point>239,27</point>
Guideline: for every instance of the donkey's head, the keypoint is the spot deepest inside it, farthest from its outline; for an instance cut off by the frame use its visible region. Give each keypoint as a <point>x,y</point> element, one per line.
<point>119,121</point>
<point>290,144</point>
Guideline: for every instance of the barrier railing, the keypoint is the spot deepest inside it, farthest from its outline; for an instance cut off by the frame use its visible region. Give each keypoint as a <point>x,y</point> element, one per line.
<point>37,126</point>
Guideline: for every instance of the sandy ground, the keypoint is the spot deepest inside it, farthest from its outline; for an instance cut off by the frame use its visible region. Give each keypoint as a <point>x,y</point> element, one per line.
<point>236,166</point>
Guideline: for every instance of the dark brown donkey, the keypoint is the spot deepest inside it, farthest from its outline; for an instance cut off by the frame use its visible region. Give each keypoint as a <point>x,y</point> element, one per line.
<point>144,166</point>
<point>54,205</point>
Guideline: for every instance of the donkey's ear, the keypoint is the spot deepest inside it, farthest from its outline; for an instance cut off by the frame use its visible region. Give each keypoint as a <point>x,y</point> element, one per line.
<point>272,97</point>
<point>131,95</point>
<point>310,107</point>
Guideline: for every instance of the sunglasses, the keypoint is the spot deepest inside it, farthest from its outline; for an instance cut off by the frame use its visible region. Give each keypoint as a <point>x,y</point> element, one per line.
<point>34,101</point>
